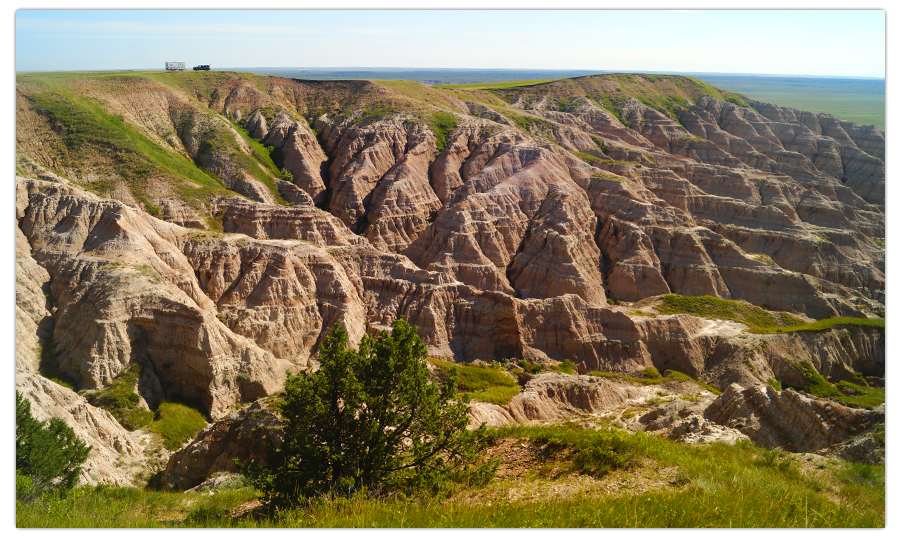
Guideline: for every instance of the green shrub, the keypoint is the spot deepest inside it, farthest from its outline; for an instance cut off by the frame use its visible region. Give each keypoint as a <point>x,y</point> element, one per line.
<point>366,419</point>
<point>652,373</point>
<point>566,367</point>
<point>48,454</point>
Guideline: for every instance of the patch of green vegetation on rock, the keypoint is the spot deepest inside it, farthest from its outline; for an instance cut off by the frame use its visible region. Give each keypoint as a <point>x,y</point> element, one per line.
<point>845,392</point>
<point>442,124</point>
<point>530,124</point>
<point>481,383</point>
<point>710,307</point>
<point>112,147</point>
<point>121,399</point>
<point>645,380</point>
<point>590,159</point>
<point>177,423</point>
<point>826,324</point>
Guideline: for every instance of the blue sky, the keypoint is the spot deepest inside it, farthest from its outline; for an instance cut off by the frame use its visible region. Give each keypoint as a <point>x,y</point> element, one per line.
<point>828,43</point>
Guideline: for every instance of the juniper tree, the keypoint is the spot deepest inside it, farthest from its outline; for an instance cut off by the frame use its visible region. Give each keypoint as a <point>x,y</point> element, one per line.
<point>48,453</point>
<point>368,418</point>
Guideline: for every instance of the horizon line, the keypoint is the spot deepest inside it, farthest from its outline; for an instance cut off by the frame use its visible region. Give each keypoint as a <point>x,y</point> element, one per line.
<point>505,69</point>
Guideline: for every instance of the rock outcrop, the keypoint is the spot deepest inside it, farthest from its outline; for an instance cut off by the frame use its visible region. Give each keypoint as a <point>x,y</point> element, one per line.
<point>240,435</point>
<point>787,419</point>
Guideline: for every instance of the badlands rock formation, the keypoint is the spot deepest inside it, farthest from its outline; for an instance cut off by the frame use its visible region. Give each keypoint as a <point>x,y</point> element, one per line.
<point>534,222</point>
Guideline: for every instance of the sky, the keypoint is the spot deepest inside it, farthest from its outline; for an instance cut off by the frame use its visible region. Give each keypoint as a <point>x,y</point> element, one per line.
<point>798,42</point>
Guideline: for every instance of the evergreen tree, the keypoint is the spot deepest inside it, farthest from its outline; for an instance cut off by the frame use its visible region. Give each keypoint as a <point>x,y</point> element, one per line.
<point>367,419</point>
<point>48,453</point>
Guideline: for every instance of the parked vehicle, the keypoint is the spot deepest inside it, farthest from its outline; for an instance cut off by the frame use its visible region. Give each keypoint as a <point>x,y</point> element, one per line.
<point>175,66</point>
<point>201,68</point>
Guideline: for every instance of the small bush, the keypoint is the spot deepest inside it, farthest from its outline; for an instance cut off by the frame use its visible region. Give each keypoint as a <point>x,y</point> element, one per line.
<point>566,367</point>
<point>48,454</point>
<point>652,373</point>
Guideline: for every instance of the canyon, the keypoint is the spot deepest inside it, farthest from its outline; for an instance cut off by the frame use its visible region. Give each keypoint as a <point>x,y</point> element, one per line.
<point>211,228</point>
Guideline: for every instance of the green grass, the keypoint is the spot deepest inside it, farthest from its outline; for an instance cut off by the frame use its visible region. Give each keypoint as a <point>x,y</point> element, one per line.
<point>89,132</point>
<point>122,401</point>
<point>590,159</point>
<point>177,423</point>
<point>498,85</point>
<point>482,383</point>
<point>260,164</point>
<point>710,307</point>
<point>529,124</point>
<point>826,324</point>
<point>847,393</point>
<point>859,101</point>
<point>442,124</point>
<point>714,485</point>
<point>566,367</point>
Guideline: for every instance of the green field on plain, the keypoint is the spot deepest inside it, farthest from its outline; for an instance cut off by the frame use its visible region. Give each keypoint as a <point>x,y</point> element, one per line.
<point>861,101</point>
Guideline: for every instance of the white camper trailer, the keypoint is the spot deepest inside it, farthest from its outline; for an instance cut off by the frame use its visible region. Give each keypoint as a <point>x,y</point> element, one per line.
<point>175,66</point>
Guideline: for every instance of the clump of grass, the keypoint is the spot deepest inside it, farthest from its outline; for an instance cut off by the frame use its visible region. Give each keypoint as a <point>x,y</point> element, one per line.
<point>176,423</point>
<point>529,367</point>
<point>121,399</point>
<point>763,258</point>
<point>677,375</point>
<point>775,384</point>
<point>590,159</point>
<point>529,123</point>
<point>652,373</point>
<point>442,124</point>
<point>481,383</point>
<point>566,367</point>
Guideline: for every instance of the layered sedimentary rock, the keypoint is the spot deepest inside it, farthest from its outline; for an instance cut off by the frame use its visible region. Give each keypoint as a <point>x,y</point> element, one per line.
<point>125,294</point>
<point>510,224</point>
<point>239,435</point>
<point>788,419</point>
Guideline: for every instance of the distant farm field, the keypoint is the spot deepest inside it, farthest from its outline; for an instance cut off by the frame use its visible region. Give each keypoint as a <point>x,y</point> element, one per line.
<point>861,101</point>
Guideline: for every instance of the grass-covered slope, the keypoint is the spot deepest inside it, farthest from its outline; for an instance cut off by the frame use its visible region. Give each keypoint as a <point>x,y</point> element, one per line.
<point>548,477</point>
<point>609,91</point>
<point>759,320</point>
